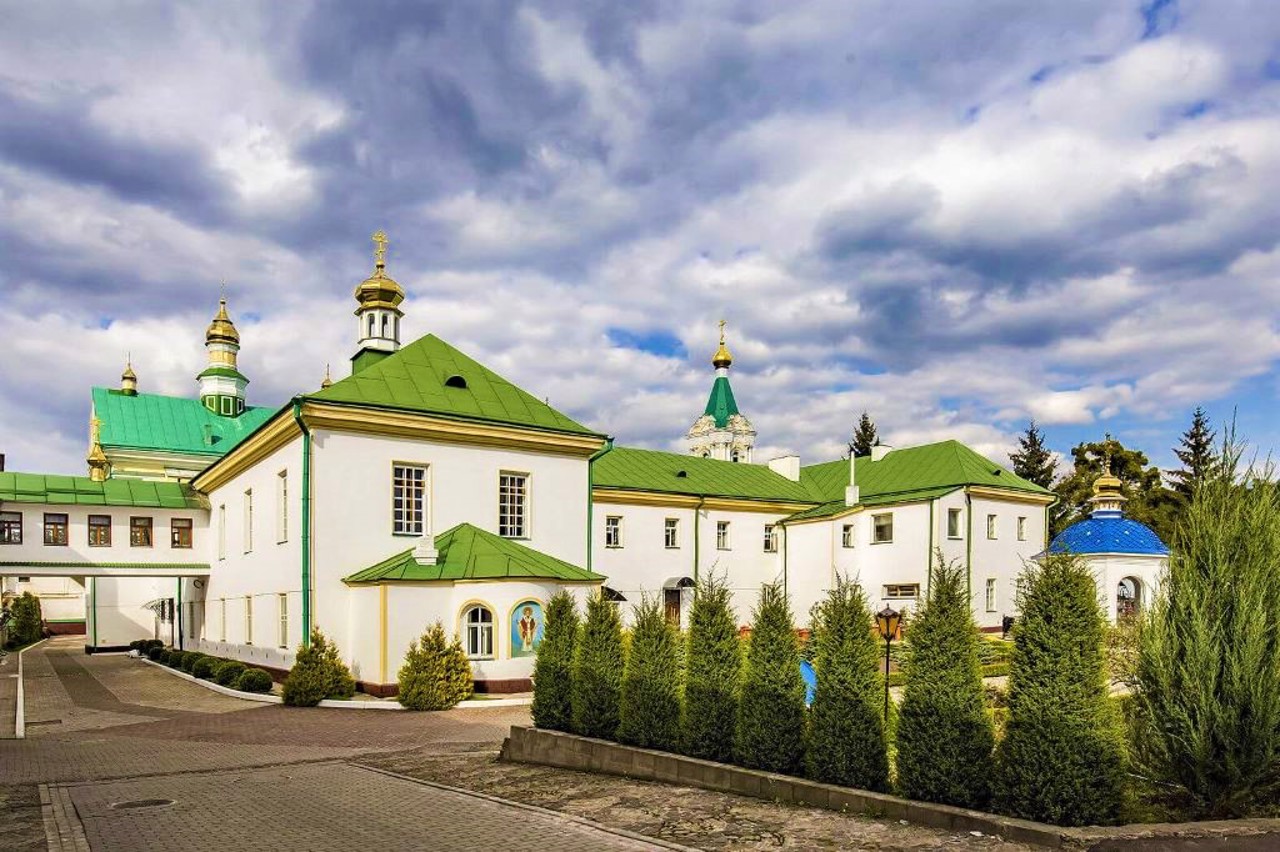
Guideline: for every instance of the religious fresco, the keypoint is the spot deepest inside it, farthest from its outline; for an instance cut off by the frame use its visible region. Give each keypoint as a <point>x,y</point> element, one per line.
<point>526,628</point>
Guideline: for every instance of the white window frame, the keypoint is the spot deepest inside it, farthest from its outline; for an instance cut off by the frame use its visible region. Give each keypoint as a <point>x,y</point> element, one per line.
<point>248,619</point>
<point>222,620</point>
<point>248,520</point>
<point>875,528</point>
<point>991,594</point>
<point>409,497</point>
<point>955,527</point>
<point>478,633</point>
<point>282,506</point>
<point>902,591</point>
<point>613,531</point>
<point>847,535</point>
<point>723,541</point>
<point>770,538</point>
<point>1022,528</point>
<point>282,601</point>
<point>671,533</point>
<point>513,504</point>
<point>993,527</point>
<point>222,531</point>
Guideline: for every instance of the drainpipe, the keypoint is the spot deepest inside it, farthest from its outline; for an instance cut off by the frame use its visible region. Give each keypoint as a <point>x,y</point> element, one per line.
<point>177,615</point>
<point>306,521</point>
<point>968,546</point>
<point>697,526</point>
<point>784,558</point>
<point>928,556</point>
<point>591,499</point>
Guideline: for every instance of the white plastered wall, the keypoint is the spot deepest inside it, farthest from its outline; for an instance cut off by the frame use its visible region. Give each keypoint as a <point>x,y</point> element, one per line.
<point>1110,568</point>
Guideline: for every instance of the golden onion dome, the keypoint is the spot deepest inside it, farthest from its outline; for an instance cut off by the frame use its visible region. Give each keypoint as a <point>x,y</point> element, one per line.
<point>1107,483</point>
<point>722,358</point>
<point>222,330</point>
<point>379,290</point>
<point>128,374</point>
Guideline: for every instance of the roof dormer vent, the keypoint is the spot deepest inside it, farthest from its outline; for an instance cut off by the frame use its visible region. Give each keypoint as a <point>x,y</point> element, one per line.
<point>682,474</point>
<point>455,381</point>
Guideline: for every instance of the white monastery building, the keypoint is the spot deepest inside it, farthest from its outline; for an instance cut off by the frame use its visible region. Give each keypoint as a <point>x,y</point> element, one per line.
<point>424,487</point>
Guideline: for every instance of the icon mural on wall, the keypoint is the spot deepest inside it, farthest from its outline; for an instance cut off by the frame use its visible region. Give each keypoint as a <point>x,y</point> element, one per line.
<point>526,628</point>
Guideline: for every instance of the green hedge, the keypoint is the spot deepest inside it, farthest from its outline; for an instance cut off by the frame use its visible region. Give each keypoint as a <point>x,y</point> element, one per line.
<point>227,672</point>
<point>254,680</point>
<point>205,666</point>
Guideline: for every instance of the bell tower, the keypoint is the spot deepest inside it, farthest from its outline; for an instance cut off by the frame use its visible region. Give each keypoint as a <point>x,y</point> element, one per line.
<point>222,384</point>
<point>378,316</point>
<point>722,432</point>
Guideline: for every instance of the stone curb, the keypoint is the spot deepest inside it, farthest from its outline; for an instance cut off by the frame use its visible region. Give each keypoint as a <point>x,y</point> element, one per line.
<point>20,699</point>
<point>216,687</point>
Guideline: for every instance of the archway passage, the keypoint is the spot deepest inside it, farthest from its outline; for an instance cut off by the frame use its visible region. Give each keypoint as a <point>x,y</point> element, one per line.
<point>1128,597</point>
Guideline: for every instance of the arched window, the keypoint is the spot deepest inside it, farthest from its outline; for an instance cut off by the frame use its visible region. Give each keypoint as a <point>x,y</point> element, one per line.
<point>397,327</point>
<point>370,334</point>
<point>736,456</point>
<point>386,324</point>
<point>478,624</point>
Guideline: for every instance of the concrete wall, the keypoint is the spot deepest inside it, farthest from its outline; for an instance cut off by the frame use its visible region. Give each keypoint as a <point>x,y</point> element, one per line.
<point>117,613</point>
<point>77,548</point>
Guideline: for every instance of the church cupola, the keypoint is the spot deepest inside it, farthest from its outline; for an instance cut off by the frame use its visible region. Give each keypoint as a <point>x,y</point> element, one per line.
<point>129,379</point>
<point>1107,495</point>
<point>379,312</point>
<point>722,432</point>
<point>97,459</point>
<point>221,383</point>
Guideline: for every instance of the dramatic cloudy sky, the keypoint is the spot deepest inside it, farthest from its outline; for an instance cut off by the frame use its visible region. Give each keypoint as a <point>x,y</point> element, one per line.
<point>956,216</point>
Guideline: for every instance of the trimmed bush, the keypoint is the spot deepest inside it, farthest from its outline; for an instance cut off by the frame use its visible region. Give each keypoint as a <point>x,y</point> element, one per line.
<point>436,674</point>
<point>136,645</point>
<point>155,654</point>
<point>846,737</point>
<point>205,667</point>
<point>254,680</point>
<point>1062,759</point>
<point>152,643</point>
<point>227,672</point>
<point>771,713</point>
<point>27,625</point>
<point>318,673</point>
<point>1206,701</point>
<point>597,671</point>
<point>189,660</point>
<point>713,658</point>
<point>172,658</point>
<point>649,707</point>
<point>553,669</point>
<point>945,735</point>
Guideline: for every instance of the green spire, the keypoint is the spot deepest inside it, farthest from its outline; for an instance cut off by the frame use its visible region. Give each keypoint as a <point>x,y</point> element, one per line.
<point>721,404</point>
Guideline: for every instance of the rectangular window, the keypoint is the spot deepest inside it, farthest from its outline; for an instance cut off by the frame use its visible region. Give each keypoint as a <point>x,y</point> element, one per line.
<point>248,520</point>
<point>902,591</point>
<point>722,535</point>
<point>1022,528</point>
<point>55,529</point>
<point>140,532</point>
<point>10,528</point>
<point>222,620</point>
<point>846,535</point>
<point>282,506</point>
<point>99,530</point>
<point>180,533</point>
<point>671,532</point>
<point>770,539</point>
<point>953,523</point>
<point>222,532</point>
<point>513,499</point>
<point>991,594</point>
<point>408,499</point>
<point>248,620</point>
<point>613,531</point>
<point>284,620</point>
<point>991,526</point>
<point>882,526</point>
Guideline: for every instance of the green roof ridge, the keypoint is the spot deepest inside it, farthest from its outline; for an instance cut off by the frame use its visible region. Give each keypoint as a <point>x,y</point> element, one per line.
<point>720,404</point>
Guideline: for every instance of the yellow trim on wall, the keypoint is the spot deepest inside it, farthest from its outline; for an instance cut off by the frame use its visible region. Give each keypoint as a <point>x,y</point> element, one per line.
<point>1011,496</point>
<point>382,633</point>
<point>686,501</point>
<point>277,432</point>
<point>844,513</point>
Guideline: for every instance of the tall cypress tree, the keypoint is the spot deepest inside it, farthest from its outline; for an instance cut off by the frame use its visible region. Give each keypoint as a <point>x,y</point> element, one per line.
<point>1197,455</point>
<point>553,669</point>
<point>771,714</point>
<point>713,658</point>
<point>864,437</point>
<point>650,705</point>
<point>1032,460</point>
<point>598,661</point>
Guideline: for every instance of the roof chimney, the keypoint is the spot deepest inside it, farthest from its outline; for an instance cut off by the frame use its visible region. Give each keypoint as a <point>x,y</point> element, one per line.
<point>879,451</point>
<point>851,491</point>
<point>788,466</point>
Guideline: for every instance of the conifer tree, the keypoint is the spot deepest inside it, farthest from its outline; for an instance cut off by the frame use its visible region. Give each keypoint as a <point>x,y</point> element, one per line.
<point>1032,460</point>
<point>846,743</point>
<point>318,673</point>
<point>553,669</point>
<point>713,657</point>
<point>864,437</point>
<point>945,736</point>
<point>1207,685</point>
<point>1197,455</point>
<point>597,670</point>
<point>1062,759</point>
<point>650,705</point>
<point>436,674</point>
<point>771,714</point>
<point>27,625</point>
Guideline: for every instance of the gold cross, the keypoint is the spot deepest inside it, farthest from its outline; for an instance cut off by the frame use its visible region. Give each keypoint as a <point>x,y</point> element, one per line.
<point>380,253</point>
<point>95,425</point>
<point>722,325</point>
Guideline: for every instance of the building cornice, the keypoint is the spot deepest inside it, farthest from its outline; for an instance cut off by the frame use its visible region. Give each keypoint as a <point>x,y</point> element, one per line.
<point>269,437</point>
<point>1011,495</point>
<point>690,501</point>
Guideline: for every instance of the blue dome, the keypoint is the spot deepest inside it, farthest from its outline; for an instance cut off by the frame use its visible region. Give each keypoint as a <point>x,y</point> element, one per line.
<point>1108,532</point>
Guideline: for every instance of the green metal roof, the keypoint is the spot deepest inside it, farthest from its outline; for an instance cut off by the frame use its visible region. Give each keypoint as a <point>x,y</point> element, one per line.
<point>469,553</point>
<point>149,421</point>
<point>674,473</point>
<point>83,491</point>
<point>429,375</point>
<point>226,372</point>
<point>158,567</point>
<point>835,507</point>
<point>721,405</point>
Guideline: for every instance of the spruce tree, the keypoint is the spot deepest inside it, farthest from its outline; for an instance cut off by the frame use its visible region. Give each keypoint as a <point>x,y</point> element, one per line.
<point>650,705</point>
<point>1062,759</point>
<point>1207,685</point>
<point>1196,454</point>
<point>597,670</point>
<point>846,743</point>
<point>553,669</point>
<point>864,437</point>
<point>1032,460</point>
<point>436,674</point>
<point>713,657</point>
<point>945,736</point>
<point>771,714</point>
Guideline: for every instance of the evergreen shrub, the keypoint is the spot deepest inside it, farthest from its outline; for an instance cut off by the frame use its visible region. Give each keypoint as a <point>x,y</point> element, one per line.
<point>205,667</point>
<point>770,730</point>
<point>1062,759</point>
<point>189,660</point>
<point>27,624</point>
<point>597,670</point>
<point>846,735</point>
<point>173,658</point>
<point>945,735</point>
<point>436,674</point>
<point>649,709</point>
<point>254,680</point>
<point>318,673</point>
<point>553,669</point>
<point>227,672</point>
<point>713,663</point>
<point>155,654</point>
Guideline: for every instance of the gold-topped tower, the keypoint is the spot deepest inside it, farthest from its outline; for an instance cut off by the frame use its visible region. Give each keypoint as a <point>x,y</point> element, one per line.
<point>97,459</point>
<point>222,385</point>
<point>1107,490</point>
<point>378,314</point>
<point>129,379</point>
<point>722,359</point>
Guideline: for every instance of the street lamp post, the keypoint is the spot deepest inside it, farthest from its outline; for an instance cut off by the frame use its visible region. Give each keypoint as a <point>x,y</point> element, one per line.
<point>887,620</point>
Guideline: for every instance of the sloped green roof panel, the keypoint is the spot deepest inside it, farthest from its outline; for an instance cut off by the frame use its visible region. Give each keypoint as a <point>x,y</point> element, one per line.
<point>150,421</point>
<point>431,376</point>
<point>83,491</point>
<point>721,405</point>
<point>835,507</point>
<point>674,473</point>
<point>470,553</point>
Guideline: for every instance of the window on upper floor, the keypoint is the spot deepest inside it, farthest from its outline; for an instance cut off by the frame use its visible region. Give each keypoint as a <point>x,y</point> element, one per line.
<point>99,530</point>
<point>882,528</point>
<point>770,539</point>
<point>902,591</point>
<point>477,621</point>
<point>991,594</point>
<point>1022,528</point>
<point>222,620</point>
<point>846,535</point>
<point>722,535</point>
<point>953,523</point>
<point>991,526</point>
<point>513,505</point>
<point>282,601</point>
<point>282,507</point>
<point>248,520</point>
<point>140,532</point>
<point>55,529</point>
<point>671,532</point>
<point>222,532</point>
<point>10,528</point>
<point>408,498</point>
<point>736,455</point>
<point>613,531</point>
<point>180,533</point>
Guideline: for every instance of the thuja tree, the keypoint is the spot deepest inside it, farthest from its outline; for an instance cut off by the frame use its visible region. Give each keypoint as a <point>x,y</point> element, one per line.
<point>318,673</point>
<point>436,674</point>
<point>1207,690</point>
<point>1062,759</point>
<point>771,720</point>
<point>945,735</point>
<point>649,712</point>
<point>553,669</point>
<point>28,621</point>
<point>597,671</point>
<point>713,657</point>
<point>846,732</point>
